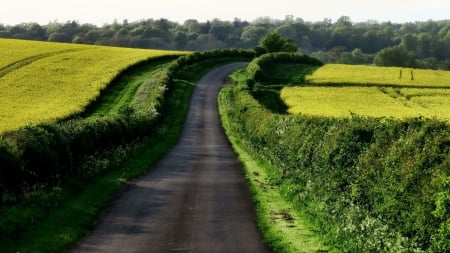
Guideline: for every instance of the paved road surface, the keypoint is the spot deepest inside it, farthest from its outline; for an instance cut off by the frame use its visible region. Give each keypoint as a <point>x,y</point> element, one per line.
<point>195,199</point>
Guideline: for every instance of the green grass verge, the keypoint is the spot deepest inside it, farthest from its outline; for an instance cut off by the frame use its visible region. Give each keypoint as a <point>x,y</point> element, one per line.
<point>283,228</point>
<point>121,93</point>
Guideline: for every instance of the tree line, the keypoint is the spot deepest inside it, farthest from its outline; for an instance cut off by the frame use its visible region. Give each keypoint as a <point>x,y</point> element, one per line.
<point>424,44</point>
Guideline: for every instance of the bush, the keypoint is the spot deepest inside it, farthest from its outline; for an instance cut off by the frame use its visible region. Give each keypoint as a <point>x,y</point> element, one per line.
<point>10,167</point>
<point>257,67</point>
<point>274,42</point>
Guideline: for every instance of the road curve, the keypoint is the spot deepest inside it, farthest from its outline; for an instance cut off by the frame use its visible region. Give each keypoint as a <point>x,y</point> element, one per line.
<point>196,199</point>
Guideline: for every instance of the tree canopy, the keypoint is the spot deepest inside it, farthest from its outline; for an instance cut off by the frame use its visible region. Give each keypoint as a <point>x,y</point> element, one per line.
<point>395,56</point>
<point>274,42</point>
<point>341,41</point>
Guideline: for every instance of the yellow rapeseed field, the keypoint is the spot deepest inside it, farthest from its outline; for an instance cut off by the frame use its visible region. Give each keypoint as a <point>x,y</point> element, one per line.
<point>345,101</point>
<point>371,75</point>
<point>60,82</point>
<point>24,51</point>
<point>337,90</point>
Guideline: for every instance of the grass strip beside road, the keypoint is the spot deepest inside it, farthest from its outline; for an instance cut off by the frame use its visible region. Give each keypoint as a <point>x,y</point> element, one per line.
<point>121,93</point>
<point>283,228</point>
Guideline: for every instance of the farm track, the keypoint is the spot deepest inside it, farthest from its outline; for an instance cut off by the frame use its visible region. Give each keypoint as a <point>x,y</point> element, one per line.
<point>27,61</point>
<point>195,199</point>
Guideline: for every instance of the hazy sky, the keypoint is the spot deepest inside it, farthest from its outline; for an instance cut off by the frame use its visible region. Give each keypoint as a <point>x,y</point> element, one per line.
<point>105,11</point>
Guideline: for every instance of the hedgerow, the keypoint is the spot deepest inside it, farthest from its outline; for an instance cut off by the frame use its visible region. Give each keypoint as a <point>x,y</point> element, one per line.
<point>368,184</point>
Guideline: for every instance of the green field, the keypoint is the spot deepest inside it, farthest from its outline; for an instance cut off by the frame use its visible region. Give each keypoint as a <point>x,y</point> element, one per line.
<point>43,81</point>
<point>342,90</point>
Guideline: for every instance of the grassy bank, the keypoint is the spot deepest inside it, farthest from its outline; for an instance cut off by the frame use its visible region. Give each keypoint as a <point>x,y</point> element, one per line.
<point>283,228</point>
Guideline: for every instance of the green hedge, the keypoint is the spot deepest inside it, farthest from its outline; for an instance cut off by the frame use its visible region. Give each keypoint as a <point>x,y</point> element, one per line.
<point>256,68</point>
<point>42,155</point>
<point>370,185</point>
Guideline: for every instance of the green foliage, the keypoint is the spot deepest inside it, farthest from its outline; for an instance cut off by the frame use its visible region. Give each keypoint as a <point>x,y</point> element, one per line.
<point>9,166</point>
<point>395,56</point>
<point>127,87</point>
<point>331,42</point>
<point>274,42</point>
<point>370,185</point>
<point>273,68</point>
<point>256,69</point>
<point>284,229</point>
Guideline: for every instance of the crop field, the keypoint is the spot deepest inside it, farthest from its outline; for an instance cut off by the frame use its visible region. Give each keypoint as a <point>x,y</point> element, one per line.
<point>338,90</point>
<point>341,74</point>
<point>20,52</point>
<point>368,101</point>
<point>42,81</point>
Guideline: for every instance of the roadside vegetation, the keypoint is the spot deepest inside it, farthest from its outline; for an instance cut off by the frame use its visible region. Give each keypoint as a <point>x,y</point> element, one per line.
<point>57,177</point>
<point>284,228</point>
<point>364,184</point>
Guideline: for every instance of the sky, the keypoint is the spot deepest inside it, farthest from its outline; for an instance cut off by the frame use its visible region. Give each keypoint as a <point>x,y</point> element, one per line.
<point>100,12</point>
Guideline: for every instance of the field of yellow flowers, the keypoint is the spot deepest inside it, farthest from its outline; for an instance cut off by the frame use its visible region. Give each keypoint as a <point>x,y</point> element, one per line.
<point>42,81</point>
<point>342,74</point>
<point>338,90</point>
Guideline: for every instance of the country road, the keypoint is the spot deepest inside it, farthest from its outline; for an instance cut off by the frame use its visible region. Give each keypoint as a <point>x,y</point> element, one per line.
<point>196,199</point>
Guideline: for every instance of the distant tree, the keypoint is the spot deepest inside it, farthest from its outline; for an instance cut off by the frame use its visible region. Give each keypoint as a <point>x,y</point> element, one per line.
<point>18,32</point>
<point>425,44</point>
<point>359,57</point>
<point>221,30</point>
<point>180,40</point>
<point>335,53</point>
<point>428,63</point>
<point>287,31</point>
<point>78,40</point>
<point>327,22</point>
<point>59,37</point>
<point>344,21</point>
<point>274,42</point>
<point>395,56</point>
<point>333,41</point>
<point>322,56</point>
<point>252,34</point>
<point>192,25</point>
<point>36,32</point>
<point>347,58</point>
<point>354,57</point>
<point>410,42</point>
<point>4,33</point>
